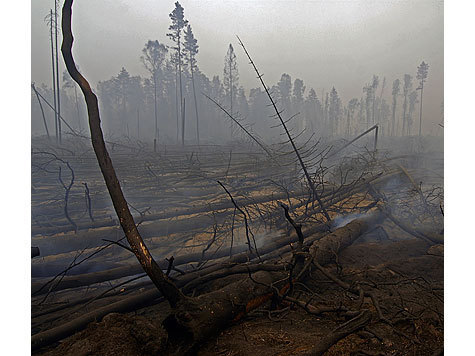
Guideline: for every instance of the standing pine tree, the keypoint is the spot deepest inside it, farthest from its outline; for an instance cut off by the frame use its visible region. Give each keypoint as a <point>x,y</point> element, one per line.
<point>50,20</point>
<point>311,109</point>
<point>230,79</point>
<point>412,108</point>
<point>58,90</point>
<point>191,50</point>
<point>257,106</point>
<point>380,101</point>
<point>298,93</point>
<point>360,112</point>
<point>374,86</point>
<point>243,105</point>
<point>352,105</point>
<point>395,93</point>
<point>406,89</point>
<point>124,86</point>
<point>384,112</point>
<point>368,89</point>
<point>285,89</point>
<point>334,111</point>
<point>422,72</point>
<point>69,83</point>
<point>118,97</point>
<point>325,116</point>
<point>153,57</point>
<point>178,24</point>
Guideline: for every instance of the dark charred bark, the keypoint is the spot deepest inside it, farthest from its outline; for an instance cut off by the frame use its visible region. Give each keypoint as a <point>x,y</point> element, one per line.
<point>127,223</point>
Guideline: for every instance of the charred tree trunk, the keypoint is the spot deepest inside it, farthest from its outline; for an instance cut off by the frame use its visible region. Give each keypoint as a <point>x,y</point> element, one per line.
<point>155,113</point>
<point>181,96</point>
<point>56,117</point>
<point>176,104</point>
<point>196,107</point>
<point>183,123</point>
<point>404,121</point>
<point>58,90</point>
<point>420,111</point>
<point>163,283</point>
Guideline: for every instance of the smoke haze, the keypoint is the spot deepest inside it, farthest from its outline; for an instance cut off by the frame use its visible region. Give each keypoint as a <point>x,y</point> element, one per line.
<point>325,43</point>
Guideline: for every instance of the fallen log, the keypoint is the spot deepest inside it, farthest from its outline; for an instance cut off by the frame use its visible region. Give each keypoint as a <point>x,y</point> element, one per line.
<point>224,205</point>
<point>162,227</point>
<point>194,321</point>
<point>197,278</point>
<point>42,270</point>
<point>50,336</point>
<point>334,198</point>
<point>86,279</point>
<point>221,306</point>
<point>69,243</point>
<point>92,238</point>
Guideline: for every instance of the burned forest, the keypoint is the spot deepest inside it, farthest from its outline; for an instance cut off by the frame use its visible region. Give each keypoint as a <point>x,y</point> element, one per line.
<point>250,213</point>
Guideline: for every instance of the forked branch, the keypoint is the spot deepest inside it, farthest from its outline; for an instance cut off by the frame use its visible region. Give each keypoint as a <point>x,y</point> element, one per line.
<point>245,220</point>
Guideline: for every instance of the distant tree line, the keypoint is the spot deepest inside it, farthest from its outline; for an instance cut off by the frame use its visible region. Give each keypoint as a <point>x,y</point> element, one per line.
<point>168,105</point>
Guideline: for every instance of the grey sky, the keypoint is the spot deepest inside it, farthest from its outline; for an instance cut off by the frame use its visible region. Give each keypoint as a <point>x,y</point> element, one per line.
<point>326,43</point>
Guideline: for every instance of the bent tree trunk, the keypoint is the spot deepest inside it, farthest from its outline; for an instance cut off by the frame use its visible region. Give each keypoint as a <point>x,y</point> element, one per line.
<point>169,290</point>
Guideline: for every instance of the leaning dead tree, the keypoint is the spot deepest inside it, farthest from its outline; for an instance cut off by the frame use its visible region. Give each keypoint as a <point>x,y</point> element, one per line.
<point>375,128</point>
<point>127,223</point>
<point>291,140</point>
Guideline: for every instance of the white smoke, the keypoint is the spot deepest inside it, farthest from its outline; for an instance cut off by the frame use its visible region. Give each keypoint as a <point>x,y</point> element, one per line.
<point>343,220</point>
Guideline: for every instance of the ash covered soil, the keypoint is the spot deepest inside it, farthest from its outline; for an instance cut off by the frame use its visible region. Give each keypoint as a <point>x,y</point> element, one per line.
<point>407,279</point>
